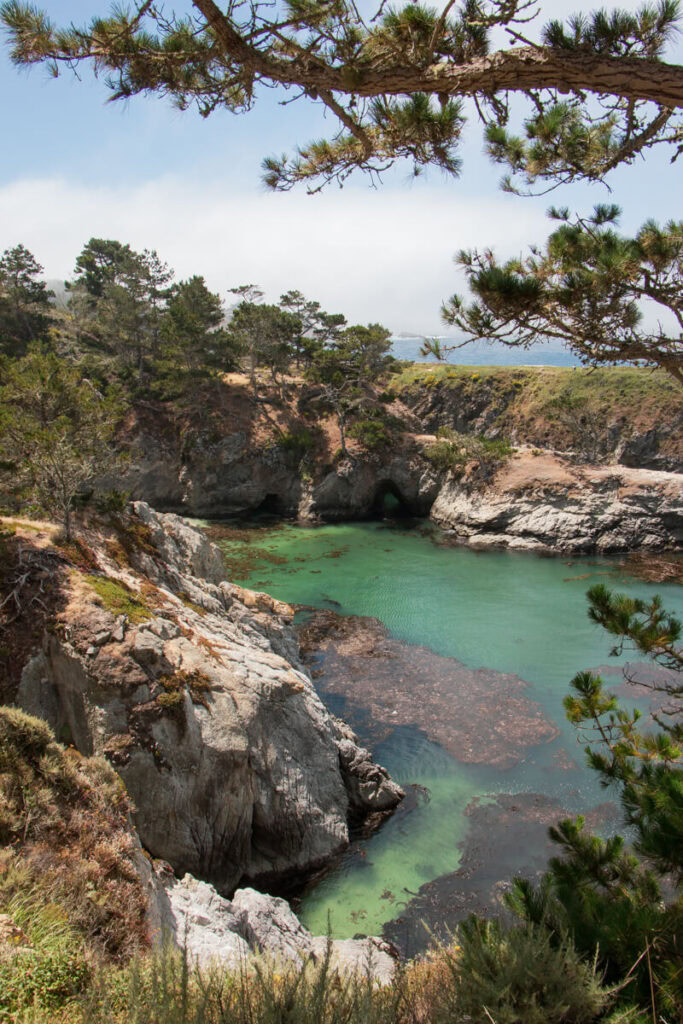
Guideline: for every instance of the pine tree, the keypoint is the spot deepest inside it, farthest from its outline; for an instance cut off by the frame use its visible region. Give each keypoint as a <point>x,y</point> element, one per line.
<point>24,301</point>
<point>584,288</point>
<point>596,89</point>
<point>346,368</point>
<point>610,899</point>
<point>56,433</point>
<point>194,342</point>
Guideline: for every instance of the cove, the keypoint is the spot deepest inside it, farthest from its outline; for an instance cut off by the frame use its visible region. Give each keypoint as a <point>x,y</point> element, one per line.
<point>465,827</point>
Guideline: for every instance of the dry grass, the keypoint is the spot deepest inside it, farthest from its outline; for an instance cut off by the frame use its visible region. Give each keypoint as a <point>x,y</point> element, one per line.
<point>65,830</point>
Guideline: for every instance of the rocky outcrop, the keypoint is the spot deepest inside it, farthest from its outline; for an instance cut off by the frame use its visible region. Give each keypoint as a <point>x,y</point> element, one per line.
<point>640,430</point>
<point>214,930</point>
<point>244,465</point>
<point>193,690</point>
<point>546,504</point>
<point>230,476</point>
<point>356,489</point>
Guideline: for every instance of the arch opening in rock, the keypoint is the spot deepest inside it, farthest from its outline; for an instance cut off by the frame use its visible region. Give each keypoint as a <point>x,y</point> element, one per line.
<point>272,505</point>
<point>389,503</point>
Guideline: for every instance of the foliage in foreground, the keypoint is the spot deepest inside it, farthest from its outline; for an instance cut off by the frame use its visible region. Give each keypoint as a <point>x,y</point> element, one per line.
<point>584,289</point>
<point>514,978</point>
<point>393,79</point>
<point>65,839</point>
<point>608,898</point>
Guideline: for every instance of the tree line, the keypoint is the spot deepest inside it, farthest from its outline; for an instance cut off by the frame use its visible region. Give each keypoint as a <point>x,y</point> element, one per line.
<point>129,333</point>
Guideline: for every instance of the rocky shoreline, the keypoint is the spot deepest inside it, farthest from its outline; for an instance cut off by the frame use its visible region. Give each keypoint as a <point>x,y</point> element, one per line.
<point>192,689</point>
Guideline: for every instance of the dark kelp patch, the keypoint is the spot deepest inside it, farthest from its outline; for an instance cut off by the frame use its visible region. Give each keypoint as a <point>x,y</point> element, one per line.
<point>480,716</point>
<point>507,836</point>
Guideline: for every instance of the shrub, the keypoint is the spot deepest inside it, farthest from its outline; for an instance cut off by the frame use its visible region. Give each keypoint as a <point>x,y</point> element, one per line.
<point>49,977</point>
<point>297,442</point>
<point>376,430</point>
<point>518,976</point>
<point>454,451</point>
<point>167,989</point>
<point>54,802</point>
<point>118,599</point>
<point>112,503</point>
<point>196,682</point>
<point>371,433</point>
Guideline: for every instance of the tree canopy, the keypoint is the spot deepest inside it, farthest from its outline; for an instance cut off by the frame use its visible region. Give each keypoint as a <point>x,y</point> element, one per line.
<point>56,432</point>
<point>24,301</point>
<point>598,91</point>
<point>585,288</point>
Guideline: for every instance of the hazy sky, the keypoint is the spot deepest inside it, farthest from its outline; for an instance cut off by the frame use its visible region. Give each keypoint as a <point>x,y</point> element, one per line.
<point>74,166</point>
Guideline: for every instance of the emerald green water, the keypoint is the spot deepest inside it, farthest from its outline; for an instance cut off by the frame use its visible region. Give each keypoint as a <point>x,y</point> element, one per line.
<point>510,611</point>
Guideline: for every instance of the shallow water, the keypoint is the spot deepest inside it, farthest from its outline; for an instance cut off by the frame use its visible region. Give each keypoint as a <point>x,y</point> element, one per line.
<point>508,611</point>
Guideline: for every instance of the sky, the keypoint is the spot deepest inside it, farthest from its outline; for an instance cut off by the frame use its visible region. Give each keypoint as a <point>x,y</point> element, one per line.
<point>74,166</point>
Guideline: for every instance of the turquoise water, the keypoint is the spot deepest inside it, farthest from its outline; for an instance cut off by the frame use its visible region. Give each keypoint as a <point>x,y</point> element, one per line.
<point>510,611</point>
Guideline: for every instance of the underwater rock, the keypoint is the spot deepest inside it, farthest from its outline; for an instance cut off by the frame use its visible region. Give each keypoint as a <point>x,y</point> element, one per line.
<point>405,684</point>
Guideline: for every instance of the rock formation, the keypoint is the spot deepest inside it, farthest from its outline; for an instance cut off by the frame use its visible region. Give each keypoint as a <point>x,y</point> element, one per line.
<point>540,502</point>
<point>554,500</point>
<point>193,690</point>
<point>213,929</point>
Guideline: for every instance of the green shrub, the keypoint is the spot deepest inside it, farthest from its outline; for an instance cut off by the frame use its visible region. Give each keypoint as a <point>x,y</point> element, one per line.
<point>446,454</point>
<point>49,977</point>
<point>112,503</point>
<point>371,433</point>
<point>297,442</point>
<point>518,976</point>
<point>376,430</point>
<point>453,450</point>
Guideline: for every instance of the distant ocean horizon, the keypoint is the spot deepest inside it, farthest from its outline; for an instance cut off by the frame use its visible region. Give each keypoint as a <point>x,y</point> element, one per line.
<point>481,353</point>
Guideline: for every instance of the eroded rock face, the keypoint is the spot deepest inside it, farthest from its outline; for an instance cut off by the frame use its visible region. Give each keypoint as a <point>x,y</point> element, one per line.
<point>547,504</point>
<point>356,488</point>
<point>232,761</point>
<point>214,929</point>
<point>492,407</point>
<point>229,477</point>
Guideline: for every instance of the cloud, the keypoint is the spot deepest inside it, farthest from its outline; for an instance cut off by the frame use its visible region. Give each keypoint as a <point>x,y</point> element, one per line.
<point>377,256</point>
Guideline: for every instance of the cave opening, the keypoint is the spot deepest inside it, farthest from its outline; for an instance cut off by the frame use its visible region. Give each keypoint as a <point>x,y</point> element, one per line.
<point>272,505</point>
<point>389,503</point>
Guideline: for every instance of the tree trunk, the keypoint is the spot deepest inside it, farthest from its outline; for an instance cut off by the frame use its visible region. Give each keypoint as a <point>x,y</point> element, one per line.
<point>341,420</point>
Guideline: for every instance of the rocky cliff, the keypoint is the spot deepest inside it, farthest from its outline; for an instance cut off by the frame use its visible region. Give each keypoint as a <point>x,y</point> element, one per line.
<point>538,501</point>
<point>192,689</point>
<point>596,468</point>
<point>618,415</point>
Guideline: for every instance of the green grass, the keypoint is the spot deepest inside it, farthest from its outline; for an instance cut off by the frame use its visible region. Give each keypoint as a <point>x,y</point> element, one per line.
<point>527,397</point>
<point>117,599</point>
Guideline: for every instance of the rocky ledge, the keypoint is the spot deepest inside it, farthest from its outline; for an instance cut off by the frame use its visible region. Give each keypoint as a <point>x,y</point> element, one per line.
<point>539,501</point>
<point>193,690</point>
<point>213,929</point>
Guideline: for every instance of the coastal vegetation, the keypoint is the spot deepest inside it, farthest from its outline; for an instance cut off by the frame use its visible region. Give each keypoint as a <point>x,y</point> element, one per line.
<point>585,289</point>
<point>596,940</point>
<point>132,354</point>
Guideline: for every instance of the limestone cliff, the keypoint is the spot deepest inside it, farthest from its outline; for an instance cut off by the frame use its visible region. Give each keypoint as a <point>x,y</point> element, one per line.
<point>192,689</point>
